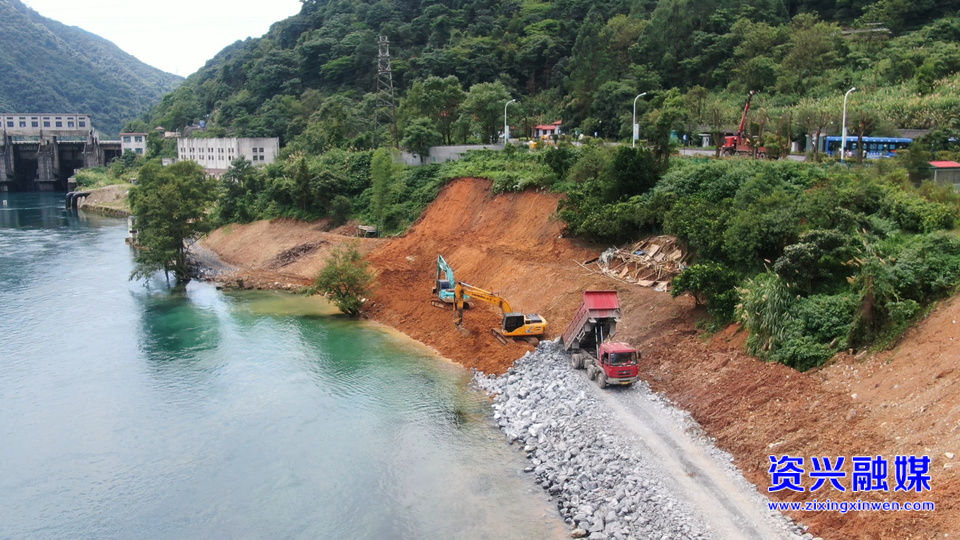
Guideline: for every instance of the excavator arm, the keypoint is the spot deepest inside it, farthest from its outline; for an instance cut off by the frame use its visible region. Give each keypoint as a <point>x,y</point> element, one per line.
<point>464,290</point>
<point>515,325</point>
<point>443,287</point>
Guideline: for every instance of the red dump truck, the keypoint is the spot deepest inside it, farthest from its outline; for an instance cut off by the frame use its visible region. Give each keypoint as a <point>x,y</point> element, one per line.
<point>608,362</point>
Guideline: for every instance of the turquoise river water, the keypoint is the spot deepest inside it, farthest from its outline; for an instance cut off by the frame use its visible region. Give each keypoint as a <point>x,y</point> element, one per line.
<point>135,410</point>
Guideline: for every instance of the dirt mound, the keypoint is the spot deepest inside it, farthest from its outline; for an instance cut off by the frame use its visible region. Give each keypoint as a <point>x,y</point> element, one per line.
<point>507,244</point>
<point>279,253</point>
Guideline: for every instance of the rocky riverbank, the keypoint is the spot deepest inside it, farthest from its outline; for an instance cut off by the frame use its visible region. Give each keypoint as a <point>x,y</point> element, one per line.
<point>605,488</point>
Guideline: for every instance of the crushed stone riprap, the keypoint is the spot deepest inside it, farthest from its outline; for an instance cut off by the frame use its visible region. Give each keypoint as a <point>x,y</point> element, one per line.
<point>603,487</point>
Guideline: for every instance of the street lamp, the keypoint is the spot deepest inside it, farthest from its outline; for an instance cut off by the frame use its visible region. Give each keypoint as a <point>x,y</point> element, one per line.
<point>636,128</point>
<point>843,129</point>
<point>506,128</point>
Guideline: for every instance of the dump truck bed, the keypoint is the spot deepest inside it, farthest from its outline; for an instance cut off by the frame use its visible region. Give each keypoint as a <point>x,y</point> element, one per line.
<point>599,310</point>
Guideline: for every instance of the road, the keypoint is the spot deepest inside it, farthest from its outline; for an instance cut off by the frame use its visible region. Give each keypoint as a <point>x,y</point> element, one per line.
<point>706,152</point>
<point>727,503</point>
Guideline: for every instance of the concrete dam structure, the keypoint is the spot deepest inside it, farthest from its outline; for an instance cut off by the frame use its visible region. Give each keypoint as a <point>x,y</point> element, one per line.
<point>39,152</point>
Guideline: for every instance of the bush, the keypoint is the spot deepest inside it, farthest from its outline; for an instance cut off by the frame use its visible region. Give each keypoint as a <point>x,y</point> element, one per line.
<point>711,284</point>
<point>346,279</point>
<point>340,209</point>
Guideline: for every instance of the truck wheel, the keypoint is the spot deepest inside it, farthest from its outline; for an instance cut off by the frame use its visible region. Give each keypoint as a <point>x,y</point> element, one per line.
<point>573,362</point>
<point>591,373</point>
<point>602,380</point>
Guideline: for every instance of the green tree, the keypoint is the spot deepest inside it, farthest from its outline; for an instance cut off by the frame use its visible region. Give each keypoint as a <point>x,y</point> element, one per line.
<point>170,204</point>
<point>384,183</point>
<point>663,121</point>
<point>436,99</point>
<point>419,136</point>
<point>815,47</point>
<point>711,284</point>
<point>346,279</point>
<point>484,104</point>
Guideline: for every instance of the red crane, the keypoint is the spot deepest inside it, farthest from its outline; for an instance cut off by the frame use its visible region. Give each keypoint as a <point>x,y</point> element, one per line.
<point>740,144</point>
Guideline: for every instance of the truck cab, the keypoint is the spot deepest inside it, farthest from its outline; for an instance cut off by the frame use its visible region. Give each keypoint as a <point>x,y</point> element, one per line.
<point>587,339</point>
<point>618,364</point>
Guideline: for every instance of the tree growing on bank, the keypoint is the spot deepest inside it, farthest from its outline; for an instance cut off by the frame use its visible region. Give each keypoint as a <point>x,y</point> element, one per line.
<point>385,184</point>
<point>170,204</point>
<point>346,279</point>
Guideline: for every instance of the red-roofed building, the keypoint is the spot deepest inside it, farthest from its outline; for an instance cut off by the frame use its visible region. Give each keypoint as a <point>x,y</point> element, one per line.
<point>548,130</point>
<point>946,172</point>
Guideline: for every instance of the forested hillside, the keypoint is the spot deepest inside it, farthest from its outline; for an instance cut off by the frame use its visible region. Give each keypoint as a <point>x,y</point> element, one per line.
<point>50,67</point>
<point>311,79</point>
<point>812,258</point>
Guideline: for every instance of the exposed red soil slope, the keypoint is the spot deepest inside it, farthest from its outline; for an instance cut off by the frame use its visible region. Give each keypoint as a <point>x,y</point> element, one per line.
<point>906,401</point>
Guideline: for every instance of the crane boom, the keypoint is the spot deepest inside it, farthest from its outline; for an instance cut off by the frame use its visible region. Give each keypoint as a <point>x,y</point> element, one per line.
<point>743,119</point>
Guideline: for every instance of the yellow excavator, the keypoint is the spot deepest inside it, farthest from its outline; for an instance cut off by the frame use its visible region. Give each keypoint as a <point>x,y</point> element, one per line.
<point>515,325</point>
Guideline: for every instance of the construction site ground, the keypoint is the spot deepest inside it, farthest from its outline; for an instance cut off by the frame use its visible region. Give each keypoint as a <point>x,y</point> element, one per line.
<point>898,402</point>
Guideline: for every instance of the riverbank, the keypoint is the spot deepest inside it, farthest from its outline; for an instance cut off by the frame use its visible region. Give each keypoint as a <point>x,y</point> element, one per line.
<point>109,201</point>
<point>510,244</point>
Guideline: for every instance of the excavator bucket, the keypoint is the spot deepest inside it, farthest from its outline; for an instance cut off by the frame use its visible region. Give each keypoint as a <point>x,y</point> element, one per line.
<point>497,333</point>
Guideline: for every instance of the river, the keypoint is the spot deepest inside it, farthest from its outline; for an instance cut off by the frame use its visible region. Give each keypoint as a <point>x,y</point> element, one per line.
<point>138,410</point>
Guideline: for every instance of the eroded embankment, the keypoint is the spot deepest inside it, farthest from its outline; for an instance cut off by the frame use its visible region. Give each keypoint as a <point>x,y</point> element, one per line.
<point>109,200</point>
<point>510,244</point>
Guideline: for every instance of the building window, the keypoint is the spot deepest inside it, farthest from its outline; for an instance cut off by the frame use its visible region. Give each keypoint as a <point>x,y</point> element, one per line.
<point>254,150</point>
<point>59,124</point>
<point>126,138</point>
<point>23,123</point>
<point>69,124</point>
<point>83,124</point>
<point>139,150</point>
<point>34,123</point>
<point>46,123</point>
<point>9,123</point>
<point>261,150</point>
<point>138,138</point>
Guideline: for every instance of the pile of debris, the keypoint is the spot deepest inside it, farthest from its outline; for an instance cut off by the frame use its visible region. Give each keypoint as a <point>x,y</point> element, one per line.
<point>649,263</point>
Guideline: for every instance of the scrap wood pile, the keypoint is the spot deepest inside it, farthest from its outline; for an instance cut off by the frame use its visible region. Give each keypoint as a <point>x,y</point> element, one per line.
<point>649,263</point>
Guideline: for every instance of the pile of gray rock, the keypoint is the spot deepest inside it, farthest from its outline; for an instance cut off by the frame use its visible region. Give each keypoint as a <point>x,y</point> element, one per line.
<point>602,485</point>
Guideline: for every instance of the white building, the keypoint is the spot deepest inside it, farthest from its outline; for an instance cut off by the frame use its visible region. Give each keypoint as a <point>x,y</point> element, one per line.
<point>33,124</point>
<point>215,155</point>
<point>134,142</point>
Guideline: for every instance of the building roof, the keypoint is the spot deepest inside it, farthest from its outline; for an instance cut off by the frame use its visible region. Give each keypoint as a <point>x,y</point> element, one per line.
<point>546,127</point>
<point>132,133</point>
<point>945,165</point>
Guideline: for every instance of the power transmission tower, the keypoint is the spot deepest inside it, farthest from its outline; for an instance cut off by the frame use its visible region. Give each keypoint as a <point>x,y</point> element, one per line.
<point>386,106</point>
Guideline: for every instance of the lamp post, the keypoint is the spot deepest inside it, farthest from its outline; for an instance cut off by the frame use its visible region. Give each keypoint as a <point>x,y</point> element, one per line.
<point>506,128</point>
<point>843,129</point>
<point>636,128</point>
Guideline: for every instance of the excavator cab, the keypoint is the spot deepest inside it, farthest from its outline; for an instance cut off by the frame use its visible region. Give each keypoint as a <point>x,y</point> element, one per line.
<point>514,324</point>
<point>512,321</point>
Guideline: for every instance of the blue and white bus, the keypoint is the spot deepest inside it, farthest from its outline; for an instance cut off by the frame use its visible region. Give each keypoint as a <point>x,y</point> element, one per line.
<point>875,147</point>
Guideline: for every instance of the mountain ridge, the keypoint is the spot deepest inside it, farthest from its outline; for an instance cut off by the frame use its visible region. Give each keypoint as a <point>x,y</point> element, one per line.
<point>53,67</point>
